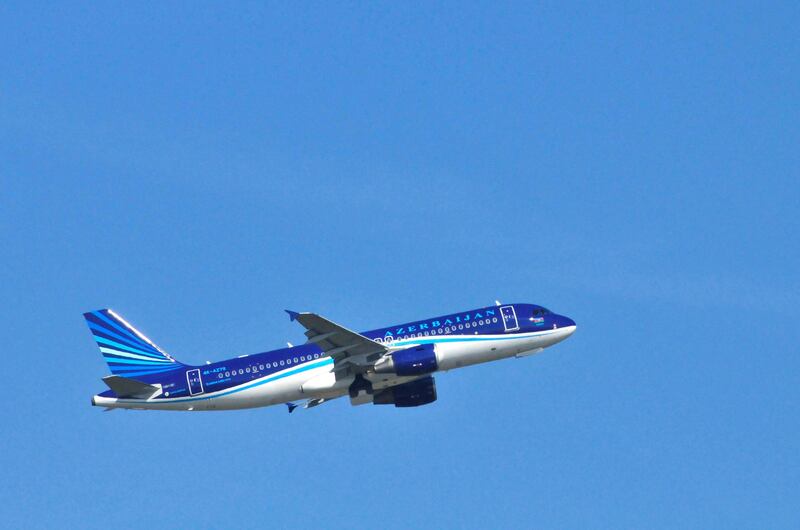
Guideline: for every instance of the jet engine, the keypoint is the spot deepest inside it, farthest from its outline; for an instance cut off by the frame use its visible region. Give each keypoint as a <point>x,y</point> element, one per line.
<point>412,394</point>
<point>418,360</point>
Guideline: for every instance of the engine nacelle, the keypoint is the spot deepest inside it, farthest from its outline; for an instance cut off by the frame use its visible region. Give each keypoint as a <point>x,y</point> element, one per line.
<point>412,394</point>
<point>418,360</point>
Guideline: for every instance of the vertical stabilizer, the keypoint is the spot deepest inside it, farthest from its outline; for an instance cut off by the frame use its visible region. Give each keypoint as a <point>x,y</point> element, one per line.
<point>126,350</point>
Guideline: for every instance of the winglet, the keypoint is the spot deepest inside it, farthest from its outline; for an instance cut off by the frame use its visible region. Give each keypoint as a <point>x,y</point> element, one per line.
<point>292,315</point>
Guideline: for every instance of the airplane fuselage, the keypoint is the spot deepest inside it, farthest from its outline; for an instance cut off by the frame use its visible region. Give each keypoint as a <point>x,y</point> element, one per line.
<point>305,372</point>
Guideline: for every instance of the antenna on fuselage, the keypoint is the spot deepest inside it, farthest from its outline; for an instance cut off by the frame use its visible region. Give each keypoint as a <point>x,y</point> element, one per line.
<point>497,303</point>
<point>290,344</point>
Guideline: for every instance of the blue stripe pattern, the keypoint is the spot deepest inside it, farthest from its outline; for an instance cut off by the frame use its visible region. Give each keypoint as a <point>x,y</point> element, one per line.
<point>125,350</point>
<point>100,335</point>
<point>119,346</point>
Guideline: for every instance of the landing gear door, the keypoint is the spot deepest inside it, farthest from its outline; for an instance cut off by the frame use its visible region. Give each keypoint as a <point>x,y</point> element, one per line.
<point>509,318</point>
<point>195,383</point>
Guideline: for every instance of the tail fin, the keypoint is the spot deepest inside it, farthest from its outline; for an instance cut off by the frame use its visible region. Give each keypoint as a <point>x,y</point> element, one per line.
<point>127,351</point>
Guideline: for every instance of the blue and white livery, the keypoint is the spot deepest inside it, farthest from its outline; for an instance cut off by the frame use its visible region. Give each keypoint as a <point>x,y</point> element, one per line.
<point>392,365</point>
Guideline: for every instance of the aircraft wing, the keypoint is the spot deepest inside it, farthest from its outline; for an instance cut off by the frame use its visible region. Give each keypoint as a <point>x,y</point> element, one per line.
<point>351,351</point>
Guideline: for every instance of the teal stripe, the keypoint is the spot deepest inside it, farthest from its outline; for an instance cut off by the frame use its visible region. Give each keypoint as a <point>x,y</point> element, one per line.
<point>126,348</point>
<point>133,361</point>
<point>466,338</point>
<point>128,355</point>
<point>134,373</point>
<point>241,388</point>
<point>148,369</point>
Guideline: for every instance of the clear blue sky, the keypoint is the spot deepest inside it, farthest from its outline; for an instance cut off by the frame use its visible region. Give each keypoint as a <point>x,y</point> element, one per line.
<point>200,167</point>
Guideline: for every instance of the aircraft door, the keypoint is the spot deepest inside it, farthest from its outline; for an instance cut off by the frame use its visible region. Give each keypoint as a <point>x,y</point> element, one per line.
<point>195,382</point>
<point>509,318</point>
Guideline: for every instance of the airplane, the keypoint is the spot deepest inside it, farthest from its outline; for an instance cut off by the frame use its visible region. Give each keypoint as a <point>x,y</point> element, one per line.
<point>386,366</point>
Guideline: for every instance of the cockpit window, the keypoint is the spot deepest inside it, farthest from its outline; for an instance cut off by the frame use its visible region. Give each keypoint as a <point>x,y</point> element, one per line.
<point>541,311</point>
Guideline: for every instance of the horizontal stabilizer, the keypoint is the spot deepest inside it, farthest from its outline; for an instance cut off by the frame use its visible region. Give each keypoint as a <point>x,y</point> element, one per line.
<point>125,387</point>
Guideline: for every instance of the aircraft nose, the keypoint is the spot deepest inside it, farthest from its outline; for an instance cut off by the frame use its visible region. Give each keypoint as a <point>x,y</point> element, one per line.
<point>565,322</point>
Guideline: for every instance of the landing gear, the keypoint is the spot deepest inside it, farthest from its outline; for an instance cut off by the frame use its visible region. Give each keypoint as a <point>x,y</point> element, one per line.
<point>360,385</point>
<point>360,391</point>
